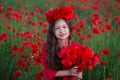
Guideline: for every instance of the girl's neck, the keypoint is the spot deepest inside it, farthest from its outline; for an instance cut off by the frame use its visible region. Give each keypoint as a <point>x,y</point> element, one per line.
<point>63,43</point>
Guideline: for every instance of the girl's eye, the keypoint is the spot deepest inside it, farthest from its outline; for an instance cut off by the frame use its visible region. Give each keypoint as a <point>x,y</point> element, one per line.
<point>64,27</point>
<point>56,28</point>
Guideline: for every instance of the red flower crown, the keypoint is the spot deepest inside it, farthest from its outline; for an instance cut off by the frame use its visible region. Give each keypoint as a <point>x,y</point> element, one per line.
<point>65,12</point>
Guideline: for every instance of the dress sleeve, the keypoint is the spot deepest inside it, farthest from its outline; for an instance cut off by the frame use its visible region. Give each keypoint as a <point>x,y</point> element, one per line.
<point>49,74</point>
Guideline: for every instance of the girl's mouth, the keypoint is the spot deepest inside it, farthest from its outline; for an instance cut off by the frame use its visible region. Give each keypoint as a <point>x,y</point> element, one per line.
<point>62,35</point>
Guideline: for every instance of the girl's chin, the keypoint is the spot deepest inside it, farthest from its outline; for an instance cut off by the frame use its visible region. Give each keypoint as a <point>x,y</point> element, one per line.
<point>63,38</point>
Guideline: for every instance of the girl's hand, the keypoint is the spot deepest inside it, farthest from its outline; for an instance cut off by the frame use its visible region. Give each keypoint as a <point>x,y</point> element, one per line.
<point>73,72</point>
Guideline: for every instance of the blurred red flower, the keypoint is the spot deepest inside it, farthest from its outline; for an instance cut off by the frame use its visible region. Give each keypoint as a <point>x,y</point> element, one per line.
<point>108,26</point>
<point>39,75</point>
<point>8,26</point>
<point>34,47</point>
<point>26,34</point>
<point>37,10</point>
<point>37,60</point>
<point>98,55</point>
<point>89,35</point>
<point>16,73</point>
<point>14,48</point>
<point>96,30</point>
<point>1,5</point>
<point>10,8</point>
<point>106,51</point>
<point>1,8</point>
<point>108,78</point>
<point>20,63</point>
<point>3,36</point>
<point>81,23</point>
<point>118,55</point>
<point>32,22</point>
<point>95,7</point>
<point>118,1</point>
<point>28,62</point>
<point>26,7</point>
<point>44,30</point>
<point>102,63</point>
<point>83,38</point>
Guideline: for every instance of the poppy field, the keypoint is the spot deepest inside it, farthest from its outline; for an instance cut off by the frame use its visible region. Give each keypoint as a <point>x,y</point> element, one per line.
<point>23,30</point>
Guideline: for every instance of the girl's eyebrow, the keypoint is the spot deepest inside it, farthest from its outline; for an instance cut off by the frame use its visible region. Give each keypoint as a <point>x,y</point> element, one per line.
<point>57,26</point>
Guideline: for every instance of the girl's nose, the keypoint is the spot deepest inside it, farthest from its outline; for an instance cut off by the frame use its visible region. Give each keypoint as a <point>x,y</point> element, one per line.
<point>61,29</point>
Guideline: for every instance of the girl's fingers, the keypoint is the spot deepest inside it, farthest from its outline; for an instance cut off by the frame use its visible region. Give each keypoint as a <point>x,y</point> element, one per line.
<point>75,67</point>
<point>80,75</point>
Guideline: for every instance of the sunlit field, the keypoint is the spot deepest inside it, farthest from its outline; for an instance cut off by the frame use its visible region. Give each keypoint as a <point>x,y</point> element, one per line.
<point>23,30</point>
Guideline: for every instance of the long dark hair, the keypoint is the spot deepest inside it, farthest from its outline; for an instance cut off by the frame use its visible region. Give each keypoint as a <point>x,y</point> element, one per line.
<point>53,61</point>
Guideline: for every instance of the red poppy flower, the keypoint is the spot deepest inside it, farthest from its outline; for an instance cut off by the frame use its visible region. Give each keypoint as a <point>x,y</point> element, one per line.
<point>28,62</point>
<point>28,18</point>
<point>1,5</point>
<point>32,13</point>
<point>79,55</point>
<point>89,35</point>
<point>84,8</point>
<point>118,55</point>
<point>14,48</point>
<point>62,53</point>
<point>61,12</point>
<point>95,7</point>
<point>44,30</point>
<point>34,47</point>
<point>108,78</point>
<point>118,1</point>
<point>83,38</point>
<point>37,10</point>
<point>98,55</point>
<point>102,63</point>
<point>26,35</point>
<point>32,23</point>
<point>16,73</point>
<point>96,30</point>
<point>1,8</point>
<point>108,26</point>
<point>8,27</point>
<point>66,62</point>
<point>26,69</point>
<point>39,76</point>
<point>81,23</point>
<point>26,7</point>
<point>20,63</point>
<point>3,36</point>
<point>37,60</point>
<point>10,8</point>
<point>106,51</point>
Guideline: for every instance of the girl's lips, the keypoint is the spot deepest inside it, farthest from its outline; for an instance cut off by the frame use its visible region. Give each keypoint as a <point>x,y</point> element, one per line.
<point>61,35</point>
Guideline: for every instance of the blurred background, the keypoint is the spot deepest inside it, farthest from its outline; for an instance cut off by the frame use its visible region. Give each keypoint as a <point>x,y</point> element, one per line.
<point>23,29</point>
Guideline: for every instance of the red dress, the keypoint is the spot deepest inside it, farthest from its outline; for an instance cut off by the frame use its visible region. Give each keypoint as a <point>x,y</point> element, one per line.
<point>50,74</point>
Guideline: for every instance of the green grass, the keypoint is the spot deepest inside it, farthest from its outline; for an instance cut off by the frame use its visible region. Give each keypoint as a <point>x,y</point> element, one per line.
<point>108,39</point>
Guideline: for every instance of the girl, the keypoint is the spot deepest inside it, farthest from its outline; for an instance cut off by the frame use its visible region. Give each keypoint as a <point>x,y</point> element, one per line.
<point>59,35</point>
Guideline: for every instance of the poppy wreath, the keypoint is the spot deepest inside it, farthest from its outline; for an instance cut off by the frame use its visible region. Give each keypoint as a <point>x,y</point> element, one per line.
<point>65,12</point>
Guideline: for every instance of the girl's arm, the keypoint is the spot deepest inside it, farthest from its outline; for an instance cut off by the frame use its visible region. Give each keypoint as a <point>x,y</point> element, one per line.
<point>70,72</point>
<point>61,73</point>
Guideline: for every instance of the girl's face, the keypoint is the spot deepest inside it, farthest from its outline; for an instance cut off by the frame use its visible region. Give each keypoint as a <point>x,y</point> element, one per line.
<point>61,30</point>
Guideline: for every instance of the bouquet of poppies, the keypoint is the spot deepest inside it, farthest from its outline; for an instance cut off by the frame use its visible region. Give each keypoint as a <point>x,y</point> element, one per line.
<point>80,55</point>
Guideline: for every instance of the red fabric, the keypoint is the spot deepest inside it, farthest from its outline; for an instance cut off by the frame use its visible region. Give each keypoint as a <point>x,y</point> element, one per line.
<point>50,74</point>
